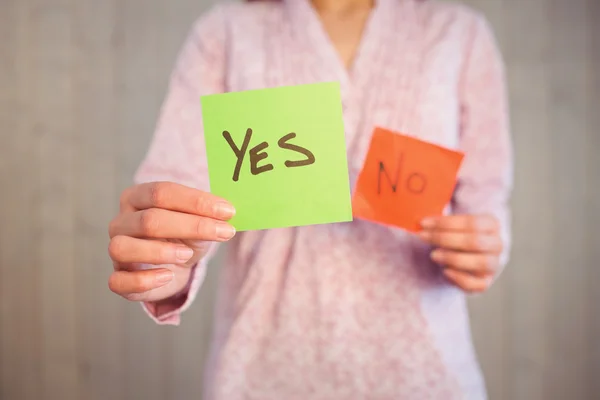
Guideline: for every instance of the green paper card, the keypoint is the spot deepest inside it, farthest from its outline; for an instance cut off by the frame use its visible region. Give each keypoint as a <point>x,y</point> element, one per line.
<point>279,155</point>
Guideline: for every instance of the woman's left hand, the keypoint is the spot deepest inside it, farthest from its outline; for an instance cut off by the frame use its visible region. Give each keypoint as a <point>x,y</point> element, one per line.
<point>468,248</point>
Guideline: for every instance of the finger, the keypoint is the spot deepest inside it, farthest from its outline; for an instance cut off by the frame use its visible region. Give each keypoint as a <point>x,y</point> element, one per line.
<point>125,283</point>
<point>465,223</point>
<point>467,282</point>
<point>476,263</point>
<point>124,199</point>
<point>175,197</point>
<point>469,242</point>
<point>126,249</point>
<point>180,279</point>
<point>157,223</point>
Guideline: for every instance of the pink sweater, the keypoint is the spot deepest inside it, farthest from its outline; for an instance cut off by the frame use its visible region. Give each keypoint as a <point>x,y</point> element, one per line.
<point>352,310</point>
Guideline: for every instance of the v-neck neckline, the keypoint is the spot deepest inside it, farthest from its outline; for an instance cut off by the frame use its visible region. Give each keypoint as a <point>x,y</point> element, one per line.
<point>307,24</point>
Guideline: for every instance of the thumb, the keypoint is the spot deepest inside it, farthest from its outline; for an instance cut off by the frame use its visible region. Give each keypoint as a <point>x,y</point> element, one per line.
<point>201,249</point>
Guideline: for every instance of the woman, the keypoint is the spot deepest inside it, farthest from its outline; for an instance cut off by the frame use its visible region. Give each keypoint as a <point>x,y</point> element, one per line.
<point>340,311</point>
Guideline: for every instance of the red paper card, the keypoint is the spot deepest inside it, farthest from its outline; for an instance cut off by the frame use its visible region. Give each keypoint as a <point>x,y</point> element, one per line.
<point>404,180</point>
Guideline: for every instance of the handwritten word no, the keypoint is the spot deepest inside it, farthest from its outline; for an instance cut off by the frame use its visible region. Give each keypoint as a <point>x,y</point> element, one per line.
<point>258,153</point>
<point>414,182</point>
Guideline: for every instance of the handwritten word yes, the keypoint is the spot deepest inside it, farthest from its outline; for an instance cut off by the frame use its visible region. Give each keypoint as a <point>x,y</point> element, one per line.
<point>258,153</point>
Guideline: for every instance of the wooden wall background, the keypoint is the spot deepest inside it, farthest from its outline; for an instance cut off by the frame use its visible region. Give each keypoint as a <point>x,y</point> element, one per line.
<point>81,82</point>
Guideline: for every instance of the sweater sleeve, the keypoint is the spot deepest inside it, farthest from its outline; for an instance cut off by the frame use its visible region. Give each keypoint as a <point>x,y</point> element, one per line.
<point>486,177</point>
<point>177,152</point>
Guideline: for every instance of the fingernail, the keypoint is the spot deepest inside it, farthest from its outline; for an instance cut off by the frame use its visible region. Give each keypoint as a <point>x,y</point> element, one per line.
<point>437,256</point>
<point>425,235</point>
<point>163,277</point>
<point>225,210</point>
<point>225,231</point>
<point>428,223</point>
<point>183,254</point>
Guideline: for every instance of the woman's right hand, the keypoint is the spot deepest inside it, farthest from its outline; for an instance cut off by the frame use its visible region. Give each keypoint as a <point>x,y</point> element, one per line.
<point>166,225</point>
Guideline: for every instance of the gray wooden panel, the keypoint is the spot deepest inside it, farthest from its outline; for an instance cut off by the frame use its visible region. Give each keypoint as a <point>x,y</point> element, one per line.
<point>101,317</point>
<point>20,316</point>
<point>569,134</point>
<point>8,123</point>
<point>533,227</point>
<point>53,100</point>
<point>592,204</point>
